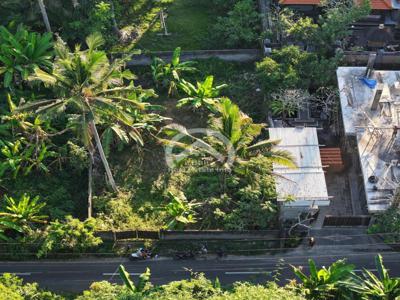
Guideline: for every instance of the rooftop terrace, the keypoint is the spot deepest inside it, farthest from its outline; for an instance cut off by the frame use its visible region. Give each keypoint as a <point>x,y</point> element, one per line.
<point>372,116</point>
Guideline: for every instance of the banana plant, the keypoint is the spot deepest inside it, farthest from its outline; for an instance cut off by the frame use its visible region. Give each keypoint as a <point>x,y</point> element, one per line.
<point>376,287</point>
<point>180,212</point>
<point>21,53</point>
<point>168,75</point>
<point>24,211</point>
<point>324,283</point>
<point>203,94</point>
<point>6,225</point>
<point>140,287</point>
<point>22,156</point>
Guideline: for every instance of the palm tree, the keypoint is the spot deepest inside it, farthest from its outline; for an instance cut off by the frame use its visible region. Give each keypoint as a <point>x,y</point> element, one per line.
<point>324,283</point>
<point>168,75</point>
<point>376,287</point>
<point>45,17</point>
<point>236,134</point>
<point>21,53</point>
<point>24,211</point>
<point>204,94</point>
<point>91,90</point>
<point>244,135</point>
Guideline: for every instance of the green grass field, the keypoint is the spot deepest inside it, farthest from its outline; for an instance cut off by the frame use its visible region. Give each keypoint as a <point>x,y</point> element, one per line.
<point>189,22</point>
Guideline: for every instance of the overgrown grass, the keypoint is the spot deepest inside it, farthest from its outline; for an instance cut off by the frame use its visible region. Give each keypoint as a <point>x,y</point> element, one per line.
<point>189,22</point>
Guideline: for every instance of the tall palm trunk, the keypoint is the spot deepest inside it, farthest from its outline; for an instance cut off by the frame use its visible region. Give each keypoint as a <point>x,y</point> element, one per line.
<point>44,15</point>
<point>102,155</point>
<point>114,20</point>
<point>90,183</point>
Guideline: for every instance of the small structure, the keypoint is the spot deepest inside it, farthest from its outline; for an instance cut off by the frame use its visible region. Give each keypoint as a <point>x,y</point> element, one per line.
<point>305,186</point>
<point>371,118</point>
<point>375,31</point>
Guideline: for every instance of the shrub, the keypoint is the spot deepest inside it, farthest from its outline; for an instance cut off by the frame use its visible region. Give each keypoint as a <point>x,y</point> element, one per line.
<point>72,235</point>
<point>104,290</point>
<point>240,27</point>
<point>116,212</point>
<point>388,223</point>
<point>247,291</point>
<point>13,288</point>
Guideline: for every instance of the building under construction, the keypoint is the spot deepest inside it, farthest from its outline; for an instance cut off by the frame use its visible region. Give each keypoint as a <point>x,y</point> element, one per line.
<point>370,103</point>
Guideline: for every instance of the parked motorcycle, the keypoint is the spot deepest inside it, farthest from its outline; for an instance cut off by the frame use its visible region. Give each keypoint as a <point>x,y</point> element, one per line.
<point>141,254</point>
<point>191,254</point>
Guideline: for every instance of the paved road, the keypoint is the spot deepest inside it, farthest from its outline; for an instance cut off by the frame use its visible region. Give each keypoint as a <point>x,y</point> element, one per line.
<point>77,275</point>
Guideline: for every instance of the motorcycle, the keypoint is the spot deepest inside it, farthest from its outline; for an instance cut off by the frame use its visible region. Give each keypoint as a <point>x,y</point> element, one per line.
<point>190,254</point>
<point>141,254</point>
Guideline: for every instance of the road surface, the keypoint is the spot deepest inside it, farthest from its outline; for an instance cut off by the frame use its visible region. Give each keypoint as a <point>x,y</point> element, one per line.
<point>77,275</point>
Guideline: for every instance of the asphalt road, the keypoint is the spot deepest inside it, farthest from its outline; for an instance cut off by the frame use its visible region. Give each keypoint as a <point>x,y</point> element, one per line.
<point>77,275</point>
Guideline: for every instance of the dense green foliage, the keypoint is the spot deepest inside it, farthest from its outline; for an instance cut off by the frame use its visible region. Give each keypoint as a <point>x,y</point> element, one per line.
<point>387,224</point>
<point>337,281</point>
<point>71,235</point>
<point>240,28</point>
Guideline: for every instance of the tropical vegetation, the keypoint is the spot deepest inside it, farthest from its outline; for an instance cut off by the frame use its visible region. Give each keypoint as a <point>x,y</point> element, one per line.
<point>337,281</point>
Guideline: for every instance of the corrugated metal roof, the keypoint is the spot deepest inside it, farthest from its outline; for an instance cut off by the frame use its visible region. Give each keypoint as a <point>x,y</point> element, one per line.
<point>306,183</point>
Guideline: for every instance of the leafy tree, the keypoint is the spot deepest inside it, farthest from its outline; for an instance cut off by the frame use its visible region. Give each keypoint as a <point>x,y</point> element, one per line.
<point>91,90</point>
<point>204,94</point>
<point>72,235</point>
<point>168,75</point>
<point>376,287</point>
<point>24,211</point>
<point>292,68</point>
<point>21,53</point>
<point>324,283</point>
<point>241,25</point>
<point>180,212</point>
<point>335,23</point>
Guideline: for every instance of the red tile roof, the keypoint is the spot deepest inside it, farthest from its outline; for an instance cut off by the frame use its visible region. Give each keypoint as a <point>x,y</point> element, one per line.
<point>381,4</point>
<point>300,2</point>
<point>375,4</point>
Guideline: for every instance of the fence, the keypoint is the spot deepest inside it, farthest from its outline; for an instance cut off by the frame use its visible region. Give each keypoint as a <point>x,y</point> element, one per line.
<point>189,235</point>
<point>386,60</point>
<point>234,55</point>
<point>347,220</point>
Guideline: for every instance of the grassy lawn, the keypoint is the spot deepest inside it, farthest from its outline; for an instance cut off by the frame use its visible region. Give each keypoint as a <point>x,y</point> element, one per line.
<point>189,23</point>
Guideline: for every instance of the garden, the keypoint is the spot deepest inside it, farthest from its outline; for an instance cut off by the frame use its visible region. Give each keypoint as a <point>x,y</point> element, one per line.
<point>83,138</point>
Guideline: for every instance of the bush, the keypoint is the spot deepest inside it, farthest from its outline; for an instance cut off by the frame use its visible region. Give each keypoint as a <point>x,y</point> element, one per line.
<point>292,68</point>
<point>193,289</point>
<point>246,291</point>
<point>389,223</point>
<point>241,26</point>
<point>12,288</point>
<point>116,212</point>
<point>104,290</point>
<point>72,235</point>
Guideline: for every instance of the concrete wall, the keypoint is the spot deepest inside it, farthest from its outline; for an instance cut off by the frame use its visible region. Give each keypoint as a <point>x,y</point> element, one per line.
<point>233,55</point>
<point>387,61</point>
<point>189,235</point>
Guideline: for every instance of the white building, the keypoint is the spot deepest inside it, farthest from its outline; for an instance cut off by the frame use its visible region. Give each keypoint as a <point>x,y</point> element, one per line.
<point>305,185</point>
